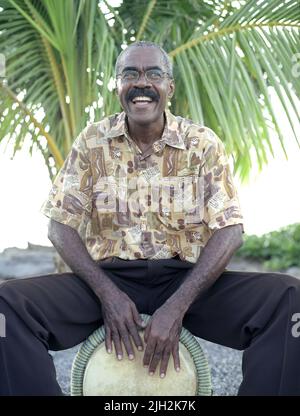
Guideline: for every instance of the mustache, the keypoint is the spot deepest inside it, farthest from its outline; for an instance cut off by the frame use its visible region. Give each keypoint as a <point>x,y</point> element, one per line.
<point>138,92</point>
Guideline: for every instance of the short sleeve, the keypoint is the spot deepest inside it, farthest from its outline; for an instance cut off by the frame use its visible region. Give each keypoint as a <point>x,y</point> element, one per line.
<point>221,203</point>
<point>69,200</point>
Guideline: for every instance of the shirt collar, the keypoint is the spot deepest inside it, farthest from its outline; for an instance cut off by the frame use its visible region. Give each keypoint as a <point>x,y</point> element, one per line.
<point>171,134</point>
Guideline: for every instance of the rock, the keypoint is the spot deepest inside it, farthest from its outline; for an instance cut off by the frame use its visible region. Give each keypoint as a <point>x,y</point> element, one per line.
<point>241,264</point>
<point>38,260</point>
<point>19,263</point>
<point>294,271</point>
<point>60,265</point>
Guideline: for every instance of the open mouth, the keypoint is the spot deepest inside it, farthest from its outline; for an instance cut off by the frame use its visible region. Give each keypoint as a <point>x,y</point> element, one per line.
<point>142,101</point>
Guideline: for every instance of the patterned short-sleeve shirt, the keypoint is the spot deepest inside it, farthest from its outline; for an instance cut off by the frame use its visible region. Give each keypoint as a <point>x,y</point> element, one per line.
<point>164,202</point>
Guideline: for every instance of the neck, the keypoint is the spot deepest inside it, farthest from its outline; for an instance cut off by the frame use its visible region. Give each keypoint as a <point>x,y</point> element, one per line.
<point>146,134</point>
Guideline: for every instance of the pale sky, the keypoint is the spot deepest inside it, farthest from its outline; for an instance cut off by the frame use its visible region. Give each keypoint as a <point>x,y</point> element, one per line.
<point>270,200</point>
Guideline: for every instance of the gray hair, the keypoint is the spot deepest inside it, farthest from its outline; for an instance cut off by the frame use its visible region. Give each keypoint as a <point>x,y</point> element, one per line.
<point>147,44</point>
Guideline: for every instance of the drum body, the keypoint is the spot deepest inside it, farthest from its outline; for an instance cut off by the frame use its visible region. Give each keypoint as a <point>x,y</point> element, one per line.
<point>97,373</point>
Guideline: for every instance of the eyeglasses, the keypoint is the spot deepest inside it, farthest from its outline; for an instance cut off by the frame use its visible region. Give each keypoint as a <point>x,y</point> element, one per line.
<point>151,75</point>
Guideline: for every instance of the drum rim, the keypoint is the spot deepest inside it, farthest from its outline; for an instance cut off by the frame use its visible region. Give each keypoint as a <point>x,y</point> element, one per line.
<point>87,348</point>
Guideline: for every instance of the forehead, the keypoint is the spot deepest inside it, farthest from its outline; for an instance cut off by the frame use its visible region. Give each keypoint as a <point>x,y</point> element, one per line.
<point>142,57</point>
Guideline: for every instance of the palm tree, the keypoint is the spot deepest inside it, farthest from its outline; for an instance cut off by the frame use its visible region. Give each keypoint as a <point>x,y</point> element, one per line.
<point>227,54</point>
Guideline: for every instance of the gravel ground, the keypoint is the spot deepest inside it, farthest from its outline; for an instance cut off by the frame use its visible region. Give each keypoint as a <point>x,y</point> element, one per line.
<point>225,364</point>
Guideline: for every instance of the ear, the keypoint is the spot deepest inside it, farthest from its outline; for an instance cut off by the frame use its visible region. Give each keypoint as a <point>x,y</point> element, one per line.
<point>116,88</point>
<point>115,91</point>
<point>171,89</point>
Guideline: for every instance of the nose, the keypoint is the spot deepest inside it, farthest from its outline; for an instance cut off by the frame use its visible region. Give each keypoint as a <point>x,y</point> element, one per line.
<point>142,82</point>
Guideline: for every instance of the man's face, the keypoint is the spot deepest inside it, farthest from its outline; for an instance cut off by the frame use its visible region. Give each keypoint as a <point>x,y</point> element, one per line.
<point>156,93</point>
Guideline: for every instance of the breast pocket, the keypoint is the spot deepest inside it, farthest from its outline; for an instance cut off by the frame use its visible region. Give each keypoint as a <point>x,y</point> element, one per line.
<point>105,196</point>
<point>181,202</point>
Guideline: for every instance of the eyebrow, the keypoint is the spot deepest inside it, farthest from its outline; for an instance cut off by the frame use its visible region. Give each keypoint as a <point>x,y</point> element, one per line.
<point>133,68</point>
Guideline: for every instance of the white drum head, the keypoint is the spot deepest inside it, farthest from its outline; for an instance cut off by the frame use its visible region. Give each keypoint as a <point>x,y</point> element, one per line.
<point>97,373</point>
<point>105,375</point>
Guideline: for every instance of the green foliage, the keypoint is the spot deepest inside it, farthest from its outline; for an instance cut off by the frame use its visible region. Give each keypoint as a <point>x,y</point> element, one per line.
<point>278,250</point>
<point>60,57</point>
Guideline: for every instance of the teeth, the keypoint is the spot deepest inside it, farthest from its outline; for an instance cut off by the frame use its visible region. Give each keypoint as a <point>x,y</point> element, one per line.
<point>148,99</point>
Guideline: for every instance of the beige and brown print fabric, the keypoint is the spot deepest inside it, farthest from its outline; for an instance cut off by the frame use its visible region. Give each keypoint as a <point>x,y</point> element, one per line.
<point>154,205</point>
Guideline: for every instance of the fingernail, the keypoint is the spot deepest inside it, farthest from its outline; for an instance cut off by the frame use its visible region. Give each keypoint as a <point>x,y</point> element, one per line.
<point>131,357</point>
<point>140,348</point>
<point>145,365</point>
<point>162,375</point>
<point>120,357</point>
<point>109,351</point>
<point>177,369</point>
<point>151,373</point>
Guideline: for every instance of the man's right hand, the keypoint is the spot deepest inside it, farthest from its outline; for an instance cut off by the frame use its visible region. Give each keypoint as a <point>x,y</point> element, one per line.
<point>121,322</point>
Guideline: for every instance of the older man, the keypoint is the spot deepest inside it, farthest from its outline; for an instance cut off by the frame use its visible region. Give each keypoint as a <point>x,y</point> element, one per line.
<point>145,213</point>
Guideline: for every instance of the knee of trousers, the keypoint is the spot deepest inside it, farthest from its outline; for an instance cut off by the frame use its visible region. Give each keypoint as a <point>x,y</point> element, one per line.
<point>19,309</point>
<point>288,284</point>
<point>10,294</point>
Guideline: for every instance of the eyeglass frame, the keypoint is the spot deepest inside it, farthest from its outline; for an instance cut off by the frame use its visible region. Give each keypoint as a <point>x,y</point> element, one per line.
<point>145,74</point>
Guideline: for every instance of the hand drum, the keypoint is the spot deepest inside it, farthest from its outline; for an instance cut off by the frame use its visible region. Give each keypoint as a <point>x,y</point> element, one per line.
<point>97,373</point>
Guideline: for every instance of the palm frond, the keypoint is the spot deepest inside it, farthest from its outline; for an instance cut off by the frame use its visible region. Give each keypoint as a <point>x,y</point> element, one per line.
<point>227,59</point>
<point>228,56</point>
<point>60,55</point>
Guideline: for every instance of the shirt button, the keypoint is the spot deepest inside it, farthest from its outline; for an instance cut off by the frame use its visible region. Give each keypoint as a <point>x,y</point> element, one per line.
<point>166,212</point>
<point>143,226</point>
<point>157,147</point>
<point>117,153</point>
<point>197,236</point>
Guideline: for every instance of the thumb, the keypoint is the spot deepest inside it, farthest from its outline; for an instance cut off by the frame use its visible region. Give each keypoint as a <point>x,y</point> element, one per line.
<point>138,320</point>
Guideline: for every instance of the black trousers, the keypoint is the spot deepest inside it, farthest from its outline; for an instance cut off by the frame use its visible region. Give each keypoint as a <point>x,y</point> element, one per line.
<point>245,311</point>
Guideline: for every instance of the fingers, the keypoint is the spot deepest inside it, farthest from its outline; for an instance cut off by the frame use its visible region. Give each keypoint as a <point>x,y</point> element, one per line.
<point>118,345</point>
<point>155,353</point>
<point>156,357</point>
<point>135,336</point>
<point>164,362</point>
<point>147,331</point>
<point>149,352</point>
<point>132,331</point>
<point>176,359</point>
<point>128,343</point>
<point>118,337</point>
<point>123,334</point>
<point>108,340</point>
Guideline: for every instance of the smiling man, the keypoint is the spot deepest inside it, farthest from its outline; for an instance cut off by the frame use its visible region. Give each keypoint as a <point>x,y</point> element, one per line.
<point>145,213</point>
<point>144,91</point>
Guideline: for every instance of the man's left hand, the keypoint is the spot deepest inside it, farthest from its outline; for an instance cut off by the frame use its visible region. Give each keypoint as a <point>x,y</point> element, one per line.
<point>162,338</point>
